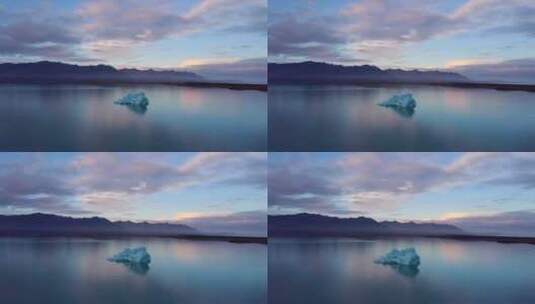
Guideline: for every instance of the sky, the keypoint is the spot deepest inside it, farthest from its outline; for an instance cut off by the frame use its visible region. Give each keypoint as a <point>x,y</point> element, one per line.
<point>489,193</point>
<point>213,192</point>
<point>223,38</point>
<point>483,39</point>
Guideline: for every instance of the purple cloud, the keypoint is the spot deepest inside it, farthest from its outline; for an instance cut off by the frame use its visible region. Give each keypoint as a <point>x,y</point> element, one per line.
<point>102,181</point>
<point>517,70</point>
<point>252,70</point>
<point>251,223</point>
<point>367,182</point>
<point>96,28</point>
<point>380,30</point>
<point>514,223</point>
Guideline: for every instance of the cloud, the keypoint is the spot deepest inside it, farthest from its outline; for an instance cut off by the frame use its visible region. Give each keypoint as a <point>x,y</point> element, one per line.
<point>127,23</point>
<point>129,20</point>
<point>112,177</point>
<point>513,223</point>
<point>248,70</point>
<point>496,169</point>
<point>373,30</point>
<point>97,29</point>
<point>316,38</point>
<point>294,185</point>
<point>137,20</point>
<point>231,15</point>
<point>291,31</point>
<point>401,21</point>
<point>371,182</point>
<point>248,168</point>
<point>113,181</point>
<point>353,183</point>
<point>32,186</point>
<point>249,223</point>
<point>32,35</point>
<point>358,32</point>
<point>126,173</point>
<point>517,70</point>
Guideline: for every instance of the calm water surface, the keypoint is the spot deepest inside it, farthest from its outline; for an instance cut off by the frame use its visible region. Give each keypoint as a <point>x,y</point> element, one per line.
<point>347,118</point>
<point>84,118</point>
<point>76,271</point>
<point>343,271</point>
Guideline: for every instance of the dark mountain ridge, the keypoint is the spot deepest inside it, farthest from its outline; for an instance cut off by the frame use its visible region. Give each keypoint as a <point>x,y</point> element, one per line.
<point>47,71</point>
<point>311,72</point>
<point>305,224</point>
<point>43,224</point>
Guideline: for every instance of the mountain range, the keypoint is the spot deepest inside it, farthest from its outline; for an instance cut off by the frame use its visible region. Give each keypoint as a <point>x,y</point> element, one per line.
<point>49,224</point>
<point>56,72</point>
<point>305,224</point>
<point>324,73</point>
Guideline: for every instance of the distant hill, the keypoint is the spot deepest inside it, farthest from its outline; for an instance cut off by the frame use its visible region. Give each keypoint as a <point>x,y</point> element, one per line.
<point>318,72</point>
<point>46,71</point>
<point>44,224</point>
<point>305,224</point>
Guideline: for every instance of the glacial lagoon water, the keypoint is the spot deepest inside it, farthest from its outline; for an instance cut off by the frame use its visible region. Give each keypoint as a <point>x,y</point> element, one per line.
<point>84,118</point>
<point>347,118</point>
<point>343,271</point>
<point>71,270</point>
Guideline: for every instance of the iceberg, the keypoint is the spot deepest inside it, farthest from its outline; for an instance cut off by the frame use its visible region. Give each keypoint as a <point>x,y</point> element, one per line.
<point>134,99</point>
<point>134,256</point>
<point>402,101</point>
<point>403,257</point>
